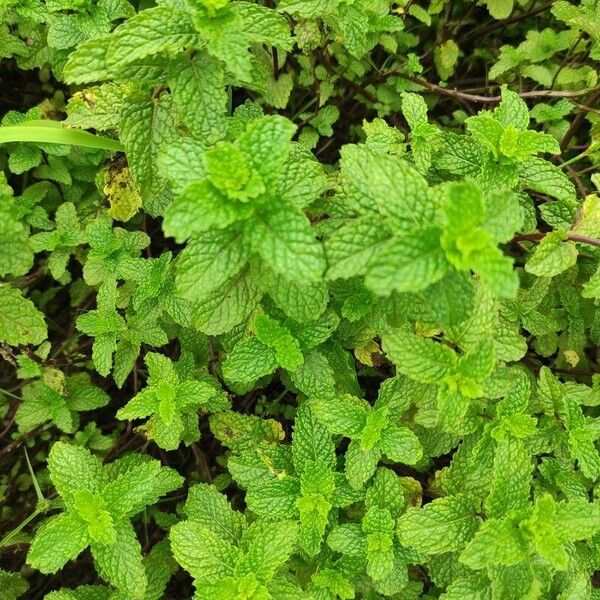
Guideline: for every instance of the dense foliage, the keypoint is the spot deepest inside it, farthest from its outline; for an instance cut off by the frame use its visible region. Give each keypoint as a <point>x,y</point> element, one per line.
<point>300,299</point>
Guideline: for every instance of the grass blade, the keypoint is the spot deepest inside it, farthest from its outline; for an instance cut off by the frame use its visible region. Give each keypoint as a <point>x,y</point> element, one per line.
<point>53,132</point>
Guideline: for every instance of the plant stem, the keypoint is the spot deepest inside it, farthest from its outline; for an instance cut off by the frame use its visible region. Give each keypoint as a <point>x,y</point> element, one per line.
<point>573,237</point>
<point>579,119</point>
<point>438,89</point>
<point>5,541</point>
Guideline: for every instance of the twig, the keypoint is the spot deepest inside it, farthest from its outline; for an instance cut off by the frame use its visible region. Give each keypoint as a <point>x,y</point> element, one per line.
<point>563,164</point>
<point>578,183</point>
<point>573,237</point>
<point>564,60</point>
<point>579,119</point>
<point>505,22</point>
<point>438,89</point>
<point>16,442</point>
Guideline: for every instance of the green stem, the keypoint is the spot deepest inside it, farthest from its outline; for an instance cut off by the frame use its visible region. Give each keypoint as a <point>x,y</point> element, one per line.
<point>42,508</point>
<point>569,162</point>
<point>5,541</point>
<point>36,485</point>
<point>10,394</point>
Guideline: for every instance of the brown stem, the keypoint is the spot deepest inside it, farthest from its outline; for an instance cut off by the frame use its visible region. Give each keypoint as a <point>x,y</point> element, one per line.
<point>581,189</point>
<point>505,22</point>
<point>578,183</point>
<point>579,119</point>
<point>275,56</point>
<point>573,237</point>
<point>438,89</point>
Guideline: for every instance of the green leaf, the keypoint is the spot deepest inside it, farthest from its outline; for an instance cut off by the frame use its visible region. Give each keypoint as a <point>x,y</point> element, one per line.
<point>266,144</point>
<point>311,442</point>
<point>170,400</point>
<point>401,445</point>
<point>500,9</point>
<point>390,184</point>
<point>512,478</point>
<point>468,245</point>
<point>92,509</point>
<point>278,337</point>
<point>410,263</point>
<point>275,499</point>
<point>146,124</point>
<point>301,178</point>
<point>159,29</point>
<point>16,249</point>
<point>497,542</point>
<point>419,358</point>
<point>301,302</point>
<point>205,505</point>
<point>133,482</point>
<point>577,520</point>
<point>267,546</point>
<point>552,256</point>
<point>360,464</point>
<point>249,360</point>
<point>219,310</point>
<point>414,110</point>
<point>512,110</point>
<point>73,468</point>
<point>263,25</point>
<point>121,563</point>
<point>380,555</point>
<point>199,92</point>
<point>209,259</point>
<point>13,584</point>
<point>201,552</point>
<point>20,320</point>
<point>353,246</point>
<point>59,540</point>
<point>542,176</point>
<point>347,539</point>
<point>283,238</point>
<point>443,525</point>
<point>88,62</point>
<point>445,57</point>
<point>345,415</point>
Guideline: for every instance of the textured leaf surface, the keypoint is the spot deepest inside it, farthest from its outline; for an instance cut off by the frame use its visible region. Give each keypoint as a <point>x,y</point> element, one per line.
<point>20,321</point>
<point>444,525</point>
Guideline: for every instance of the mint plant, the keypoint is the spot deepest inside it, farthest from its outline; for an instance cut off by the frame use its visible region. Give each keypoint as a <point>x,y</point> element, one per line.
<point>299,300</point>
<point>226,556</point>
<point>98,504</point>
<point>172,400</point>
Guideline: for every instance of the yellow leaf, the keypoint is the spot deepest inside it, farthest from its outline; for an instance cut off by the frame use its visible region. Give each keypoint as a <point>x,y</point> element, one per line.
<point>368,353</point>
<point>123,195</point>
